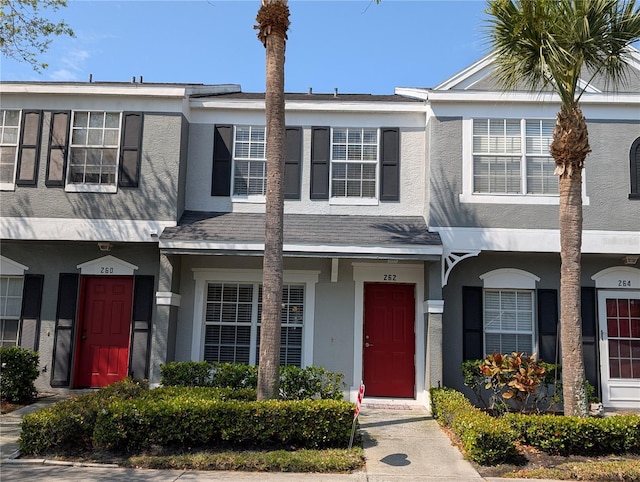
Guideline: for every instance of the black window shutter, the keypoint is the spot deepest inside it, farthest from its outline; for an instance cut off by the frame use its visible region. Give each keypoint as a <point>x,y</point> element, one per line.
<point>31,305</point>
<point>64,330</point>
<point>222,160</point>
<point>320,159</point>
<point>130,149</point>
<point>390,164</point>
<point>29,150</point>
<point>590,336</point>
<point>634,163</point>
<point>293,163</point>
<point>548,325</point>
<point>141,326</point>
<point>472,323</point>
<point>58,149</point>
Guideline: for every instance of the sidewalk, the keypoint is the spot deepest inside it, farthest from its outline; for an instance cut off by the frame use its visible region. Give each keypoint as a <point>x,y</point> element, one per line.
<point>402,443</point>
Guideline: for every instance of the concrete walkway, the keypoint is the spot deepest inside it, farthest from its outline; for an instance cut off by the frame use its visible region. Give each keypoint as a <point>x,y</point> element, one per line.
<point>401,443</point>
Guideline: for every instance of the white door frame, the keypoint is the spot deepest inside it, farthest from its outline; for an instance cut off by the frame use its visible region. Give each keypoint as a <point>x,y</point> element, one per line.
<point>616,392</point>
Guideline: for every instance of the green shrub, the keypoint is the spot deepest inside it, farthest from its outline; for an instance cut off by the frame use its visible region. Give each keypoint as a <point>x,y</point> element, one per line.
<point>135,425</point>
<point>185,374</point>
<point>310,383</point>
<point>485,440</point>
<point>566,435</point>
<point>18,372</point>
<point>68,426</point>
<point>296,383</point>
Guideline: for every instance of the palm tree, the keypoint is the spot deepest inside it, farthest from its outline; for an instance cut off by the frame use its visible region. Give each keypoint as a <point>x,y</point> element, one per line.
<point>549,44</point>
<point>273,22</point>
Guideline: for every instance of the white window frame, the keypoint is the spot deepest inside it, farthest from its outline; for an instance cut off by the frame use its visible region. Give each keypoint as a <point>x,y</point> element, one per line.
<point>251,198</point>
<point>204,276</point>
<point>367,201</point>
<point>510,280</point>
<point>469,196</point>
<point>10,186</point>
<point>92,187</point>
<point>11,269</point>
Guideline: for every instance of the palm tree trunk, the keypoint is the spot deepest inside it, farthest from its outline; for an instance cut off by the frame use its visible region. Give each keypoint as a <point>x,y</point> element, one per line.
<point>273,19</point>
<point>573,377</point>
<point>569,149</point>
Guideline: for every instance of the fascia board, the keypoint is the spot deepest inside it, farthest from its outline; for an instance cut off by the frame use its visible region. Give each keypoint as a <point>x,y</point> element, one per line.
<point>476,96</point>
<point>308,248</point>
<point>467,73</point>
<point>311,106</point>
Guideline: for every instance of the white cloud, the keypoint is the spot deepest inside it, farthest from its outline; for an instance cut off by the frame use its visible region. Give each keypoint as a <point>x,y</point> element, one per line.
<point>71,66</point>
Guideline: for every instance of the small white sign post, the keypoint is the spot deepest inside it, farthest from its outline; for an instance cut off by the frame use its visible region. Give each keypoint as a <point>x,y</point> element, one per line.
<point>356,412</point>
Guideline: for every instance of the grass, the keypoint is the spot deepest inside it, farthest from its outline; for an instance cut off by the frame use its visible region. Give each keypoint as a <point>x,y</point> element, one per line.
<point>323,461</point>
<point>602,471</point>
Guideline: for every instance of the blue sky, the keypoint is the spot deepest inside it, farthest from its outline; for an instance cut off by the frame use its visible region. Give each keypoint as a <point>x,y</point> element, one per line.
<point>353,45</point>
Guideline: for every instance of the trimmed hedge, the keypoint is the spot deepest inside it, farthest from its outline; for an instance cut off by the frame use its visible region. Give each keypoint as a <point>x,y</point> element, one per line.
<point>136,425</point>
<point>564,435</point>
<point>128,417</point>
<point>485,440</point>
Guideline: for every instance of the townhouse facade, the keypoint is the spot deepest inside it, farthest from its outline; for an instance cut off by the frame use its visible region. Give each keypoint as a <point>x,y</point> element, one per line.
<point>421,230</point>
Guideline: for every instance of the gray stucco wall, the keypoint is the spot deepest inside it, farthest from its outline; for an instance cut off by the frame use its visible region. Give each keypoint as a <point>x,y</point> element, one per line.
<point>467,273</point>
<point>52,258</point>
<point>606,174</point>
<point>156,198</point>
<point>333,335</point>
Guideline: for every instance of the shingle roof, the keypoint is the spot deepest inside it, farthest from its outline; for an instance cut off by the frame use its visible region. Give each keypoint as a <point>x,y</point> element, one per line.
<point>331,231</point>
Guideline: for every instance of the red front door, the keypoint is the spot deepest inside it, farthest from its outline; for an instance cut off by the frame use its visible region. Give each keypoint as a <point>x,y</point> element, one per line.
<point>389,340</point>
<point>103,339</point>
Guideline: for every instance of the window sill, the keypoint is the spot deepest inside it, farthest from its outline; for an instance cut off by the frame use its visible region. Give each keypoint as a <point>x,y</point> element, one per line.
<point>7,186</point>
<point>354,201</point>
<point>634,195</point>
<point>249,199</point>
<point>476,198</point>
<point>96,188</point>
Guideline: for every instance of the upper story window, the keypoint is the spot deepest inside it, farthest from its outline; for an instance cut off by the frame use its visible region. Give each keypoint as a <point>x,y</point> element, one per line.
<point>507,161</point>
<point>249,161</point>
<point>10,307</point>
<point>511,156</point>
<point>354,163</point>
<point>9,130</point>
<point>93,154</point>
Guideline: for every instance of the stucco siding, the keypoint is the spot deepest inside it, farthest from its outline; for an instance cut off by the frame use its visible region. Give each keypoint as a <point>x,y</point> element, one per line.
<point>53,258</point>
<point>412,175</point>
<point>156,197</point>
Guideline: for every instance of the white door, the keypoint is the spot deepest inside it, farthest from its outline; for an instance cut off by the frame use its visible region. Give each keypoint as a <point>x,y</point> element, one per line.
<point>619,319</point>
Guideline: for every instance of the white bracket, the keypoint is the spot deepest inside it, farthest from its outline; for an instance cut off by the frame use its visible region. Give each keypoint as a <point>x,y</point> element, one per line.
<point>452,258</point>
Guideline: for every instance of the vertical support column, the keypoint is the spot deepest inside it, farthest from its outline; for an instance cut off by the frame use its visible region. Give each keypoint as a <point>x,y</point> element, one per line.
<point>167,303</point>
<point>435,308</point>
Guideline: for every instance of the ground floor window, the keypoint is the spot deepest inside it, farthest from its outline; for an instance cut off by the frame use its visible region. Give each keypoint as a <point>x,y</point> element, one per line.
<point>508,321</point>
<point>10,307</point>
<point>232,323</point>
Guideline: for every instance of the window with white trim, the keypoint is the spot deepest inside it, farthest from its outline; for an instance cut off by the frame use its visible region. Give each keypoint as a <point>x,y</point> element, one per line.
<point>249,161</point>
<point>10,308</point>
<point>354,162</point>
<point>9,138</point>
<point>232,323</point>
<point>93,154</point>
<point>508,321</point>
<point>511,156</point>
